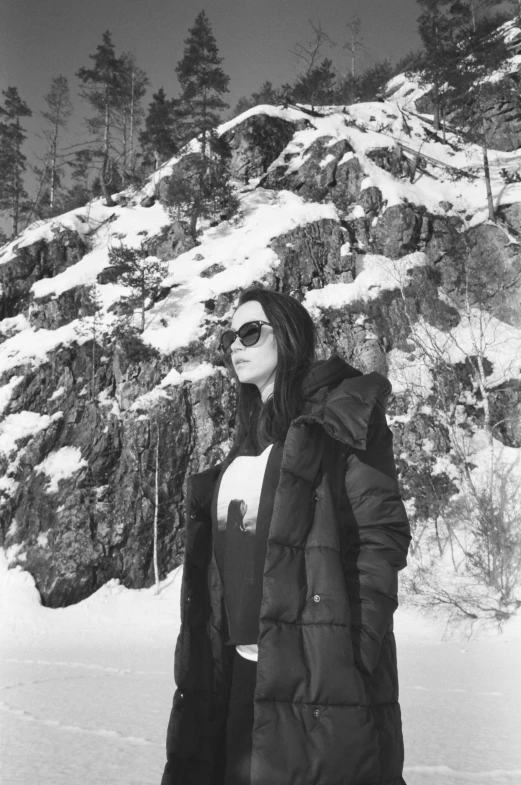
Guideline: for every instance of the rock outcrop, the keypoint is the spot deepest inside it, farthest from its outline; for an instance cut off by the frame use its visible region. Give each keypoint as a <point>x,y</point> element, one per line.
<point>256,143</point>
<point>42,259</point>
<point>100,423</point>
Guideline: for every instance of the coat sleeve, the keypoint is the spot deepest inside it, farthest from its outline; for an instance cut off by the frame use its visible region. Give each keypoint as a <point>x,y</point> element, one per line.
<point>378,537</point>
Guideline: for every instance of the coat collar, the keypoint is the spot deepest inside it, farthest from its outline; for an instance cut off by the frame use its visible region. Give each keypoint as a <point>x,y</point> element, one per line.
<point>343,411</point>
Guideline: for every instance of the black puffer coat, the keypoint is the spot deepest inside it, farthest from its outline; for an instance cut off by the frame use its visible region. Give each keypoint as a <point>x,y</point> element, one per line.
<point>326,700</point>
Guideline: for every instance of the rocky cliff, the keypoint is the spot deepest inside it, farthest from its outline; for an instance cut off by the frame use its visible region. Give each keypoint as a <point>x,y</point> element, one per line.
<point>380,232</point>
<point>501,115</point>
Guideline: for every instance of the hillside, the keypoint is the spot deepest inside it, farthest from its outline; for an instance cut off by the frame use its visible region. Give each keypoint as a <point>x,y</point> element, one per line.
<point>380,229</point>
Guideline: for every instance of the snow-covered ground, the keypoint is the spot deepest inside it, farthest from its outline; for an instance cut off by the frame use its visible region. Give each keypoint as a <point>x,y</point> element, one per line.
<point>86,691</point>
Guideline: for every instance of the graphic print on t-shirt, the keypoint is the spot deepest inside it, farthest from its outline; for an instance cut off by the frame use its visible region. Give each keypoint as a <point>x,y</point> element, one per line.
<point>242,509</point>
<point>239,493</point>
<point>236,511</point>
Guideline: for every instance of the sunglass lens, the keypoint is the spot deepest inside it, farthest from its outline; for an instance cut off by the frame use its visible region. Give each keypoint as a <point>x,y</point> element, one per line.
<point>227,338</point>
<point>249,334</point>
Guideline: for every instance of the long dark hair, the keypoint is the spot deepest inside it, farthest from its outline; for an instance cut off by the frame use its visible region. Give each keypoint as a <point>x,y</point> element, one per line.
<point>261,424</point>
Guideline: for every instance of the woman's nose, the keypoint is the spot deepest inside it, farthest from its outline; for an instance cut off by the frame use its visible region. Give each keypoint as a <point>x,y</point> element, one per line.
<point>236,344</point>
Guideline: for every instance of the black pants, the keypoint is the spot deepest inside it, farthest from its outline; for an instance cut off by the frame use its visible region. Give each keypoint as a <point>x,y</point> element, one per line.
<point>239,725</point>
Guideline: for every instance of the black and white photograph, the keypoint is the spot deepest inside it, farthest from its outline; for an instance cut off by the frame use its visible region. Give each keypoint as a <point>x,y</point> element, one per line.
<point>260,392</point>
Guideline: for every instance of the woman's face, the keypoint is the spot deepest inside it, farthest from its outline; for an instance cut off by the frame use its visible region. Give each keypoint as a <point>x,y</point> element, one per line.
<point>255,364</point>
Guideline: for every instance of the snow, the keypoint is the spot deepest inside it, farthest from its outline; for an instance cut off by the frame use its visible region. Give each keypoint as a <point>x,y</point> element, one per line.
<point>60,465</point>
<point>243,250</point>
<point>376,274</point>
<point>404,91</point>
<point>289,114</point>
<point>79,220</point>
<point>20,426</point>
<point>112,225</point>
<point>33,346</point>
<point>203,371</point>
<point>13,324</point>
<point>477,334</point>
<point>409,373</point>
<point>241,247</point>
<point>88,689</point>
<point>513,33</point>
<point>6,392</point>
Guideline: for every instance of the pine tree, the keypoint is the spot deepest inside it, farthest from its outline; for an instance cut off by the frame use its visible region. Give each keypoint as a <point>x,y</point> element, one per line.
<point>482,54</point>
<point>317,86</point>
<point>160,139</point>
<point>142,274</point>
<point>202,80</point>
<point>103,89</point>
<point>200,183</point>
<point>439,37</point>
<point>373,80</point>
<point>267,94</point>
<point>200,187</point>
<point>13,196</point>
<point>80,191</point>
<point>470,12</point>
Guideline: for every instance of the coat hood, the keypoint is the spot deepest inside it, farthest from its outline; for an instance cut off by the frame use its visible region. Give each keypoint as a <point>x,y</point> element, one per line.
<point>342,399</point>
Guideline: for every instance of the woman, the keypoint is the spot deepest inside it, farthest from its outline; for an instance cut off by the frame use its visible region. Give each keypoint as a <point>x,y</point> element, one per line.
<point>286,664</point>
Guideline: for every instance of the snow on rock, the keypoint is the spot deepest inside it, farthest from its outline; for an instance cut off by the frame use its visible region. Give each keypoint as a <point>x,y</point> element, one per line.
<point>7,391</point>
<point>81,220</point>
<point>239,252</point>
<point>173,379</point>
<point>290,114</point>
<point>33,346</point>
<point>21,426</point>
<point>477,334</point>
<point>203,371</point>
<point>242,250</point>
<point>60,465</point>
<point>14,324</point>
<point>113,226</point>
<point>377,273</point>
<point>404,91</point>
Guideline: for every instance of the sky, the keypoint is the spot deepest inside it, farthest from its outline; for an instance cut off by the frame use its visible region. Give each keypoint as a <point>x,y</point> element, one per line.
<point>40,39</point>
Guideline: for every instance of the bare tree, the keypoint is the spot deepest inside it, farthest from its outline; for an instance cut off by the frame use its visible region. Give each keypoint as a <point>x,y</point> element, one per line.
<point>308,53</point>
<point>55,158</point>
<point>134,82</point>
<point>59,111</point>
<point>478,524</point>
<point>355,43</point>
<point>156,511</point>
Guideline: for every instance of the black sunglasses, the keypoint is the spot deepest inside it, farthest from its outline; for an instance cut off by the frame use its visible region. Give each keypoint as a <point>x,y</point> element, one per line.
<point>248,334</point>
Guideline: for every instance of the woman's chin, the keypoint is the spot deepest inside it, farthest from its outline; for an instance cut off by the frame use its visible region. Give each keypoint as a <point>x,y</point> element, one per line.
<point>243,376</point>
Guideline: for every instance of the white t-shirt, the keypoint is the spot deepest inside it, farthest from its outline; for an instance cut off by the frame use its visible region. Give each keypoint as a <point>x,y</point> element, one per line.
<point>238,505</point>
